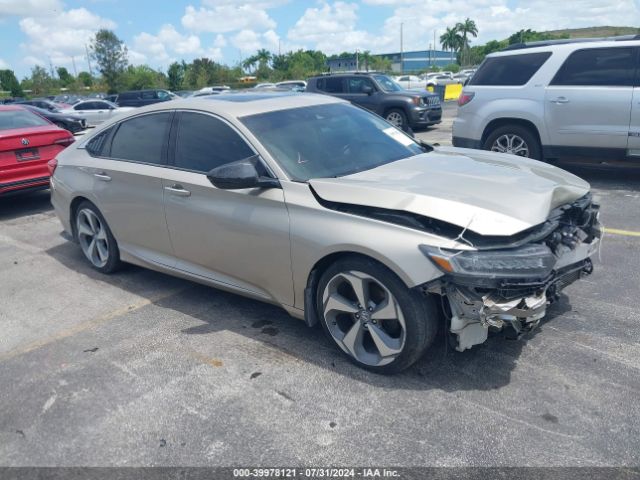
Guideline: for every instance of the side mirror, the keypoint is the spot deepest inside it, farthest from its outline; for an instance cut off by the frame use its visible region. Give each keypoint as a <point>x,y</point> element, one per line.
<point>367,89</point>
<point>241,174</point>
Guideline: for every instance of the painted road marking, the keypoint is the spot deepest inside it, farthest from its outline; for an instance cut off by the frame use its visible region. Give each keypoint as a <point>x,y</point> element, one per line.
<point>627,233</point>
<point>90,324</point>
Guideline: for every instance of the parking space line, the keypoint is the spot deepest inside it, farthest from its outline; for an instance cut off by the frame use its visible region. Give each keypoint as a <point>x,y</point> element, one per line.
<point>627,233</point>
<point>89,324</point>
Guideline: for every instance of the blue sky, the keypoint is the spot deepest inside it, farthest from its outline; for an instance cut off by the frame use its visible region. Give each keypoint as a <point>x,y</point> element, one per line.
<point>40,32</point>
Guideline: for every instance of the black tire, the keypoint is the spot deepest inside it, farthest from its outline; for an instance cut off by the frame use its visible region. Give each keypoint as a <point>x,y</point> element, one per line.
<point>398,114</point>
<point>113,262</point>
<point>533,145</point>
<point>61,125</point>
<point>419,311</point>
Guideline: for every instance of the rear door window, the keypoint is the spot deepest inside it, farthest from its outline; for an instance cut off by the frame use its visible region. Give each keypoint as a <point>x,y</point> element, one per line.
<point>204,142</point>
<point>98,145</point>
<point>605,67</point>
<point>142,139</point>
<point>331,84</point>
<point>510,70</point>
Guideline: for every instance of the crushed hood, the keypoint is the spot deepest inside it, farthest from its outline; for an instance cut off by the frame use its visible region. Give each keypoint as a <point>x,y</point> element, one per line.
<point>486,192</point>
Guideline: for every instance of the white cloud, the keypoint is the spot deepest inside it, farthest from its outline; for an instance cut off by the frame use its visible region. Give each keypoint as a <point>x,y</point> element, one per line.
<point>227,17</point>
<point>156,48</point>
<point>249,41</point>
<point>497,19</point>
<point>62,36</point>
<point>255,3</point>
<point>3,65</point>
<point>32,8</point>
<point>332,29</point>
<point>32,61</point>
<point>220,41</point>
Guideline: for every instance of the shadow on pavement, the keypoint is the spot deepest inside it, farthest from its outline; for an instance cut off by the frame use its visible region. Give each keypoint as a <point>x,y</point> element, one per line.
<point>485,367</point>
<point>24,204</point>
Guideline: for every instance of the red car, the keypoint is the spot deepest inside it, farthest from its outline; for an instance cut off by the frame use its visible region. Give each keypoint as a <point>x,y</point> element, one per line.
<point>27,143</point>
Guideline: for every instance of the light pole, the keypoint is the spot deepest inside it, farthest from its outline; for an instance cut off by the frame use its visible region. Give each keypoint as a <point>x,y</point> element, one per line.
<point>401,50</point>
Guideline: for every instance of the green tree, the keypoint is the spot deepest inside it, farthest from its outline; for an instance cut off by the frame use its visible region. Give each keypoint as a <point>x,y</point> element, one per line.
<point>66,79</point>
<point>140,77</point>
<point>41,81</point>
<point>451,40</point>
<point>110,53</point>
<point>466,28</point>
<point>175,75</point>
<point>85,79</point>
<point>9,82</point>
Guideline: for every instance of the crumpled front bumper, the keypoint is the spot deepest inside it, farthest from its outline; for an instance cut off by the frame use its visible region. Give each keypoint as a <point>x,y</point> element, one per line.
<point>516,305</point>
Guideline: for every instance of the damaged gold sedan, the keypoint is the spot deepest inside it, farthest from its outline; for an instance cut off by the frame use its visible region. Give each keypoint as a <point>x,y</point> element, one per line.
<point>310,203</point>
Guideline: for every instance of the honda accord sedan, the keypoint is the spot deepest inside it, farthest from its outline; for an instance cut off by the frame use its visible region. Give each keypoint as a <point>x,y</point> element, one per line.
<point>325,209</point>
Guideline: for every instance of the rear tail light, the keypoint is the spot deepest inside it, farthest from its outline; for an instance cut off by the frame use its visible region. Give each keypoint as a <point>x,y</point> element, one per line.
<point>465,97</point>
<point>65,142</point>
<point>51,166</point>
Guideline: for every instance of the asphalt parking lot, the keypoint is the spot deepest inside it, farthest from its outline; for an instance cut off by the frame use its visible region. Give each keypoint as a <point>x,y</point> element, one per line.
<point>140,368</point>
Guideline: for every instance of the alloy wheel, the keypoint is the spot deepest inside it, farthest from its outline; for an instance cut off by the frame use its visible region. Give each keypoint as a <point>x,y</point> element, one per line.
<point>394,118</point>
<point>92,236</point>
<point>511,143</point>
<point>364,318</point>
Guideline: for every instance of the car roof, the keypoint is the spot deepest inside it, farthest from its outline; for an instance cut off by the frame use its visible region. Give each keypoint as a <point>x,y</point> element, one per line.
<point>568,46</point>
<point>240,104</point>
<point>11,107</point>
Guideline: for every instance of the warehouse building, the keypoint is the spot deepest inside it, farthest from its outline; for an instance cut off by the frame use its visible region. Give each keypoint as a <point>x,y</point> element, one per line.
<point>416,61</point>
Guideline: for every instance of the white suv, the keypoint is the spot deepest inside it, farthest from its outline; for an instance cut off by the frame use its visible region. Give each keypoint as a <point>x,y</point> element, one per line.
<point>546,100</point>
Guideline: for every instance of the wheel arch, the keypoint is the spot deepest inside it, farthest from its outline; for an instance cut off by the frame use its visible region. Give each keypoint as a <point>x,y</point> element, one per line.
<point>73,209</point>
<point>501,122</point>
<point>386,108</point>
<point>321,265</point>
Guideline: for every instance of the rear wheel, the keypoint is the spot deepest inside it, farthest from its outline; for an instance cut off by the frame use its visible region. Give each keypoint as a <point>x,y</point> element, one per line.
<point>95,239</point>
<point>373,317</point>
<point>514,139</point>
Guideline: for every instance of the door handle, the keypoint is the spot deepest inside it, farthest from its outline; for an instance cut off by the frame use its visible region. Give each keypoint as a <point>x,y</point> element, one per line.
<point>102,176</point>
<point>559,100</point>
<point>178,190</point>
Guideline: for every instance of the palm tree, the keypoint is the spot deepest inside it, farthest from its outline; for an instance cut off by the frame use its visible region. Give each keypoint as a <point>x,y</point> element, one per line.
<point>468,27</point>
<point>249,63</point>
<point>263,57</point>
<point>451,40</point>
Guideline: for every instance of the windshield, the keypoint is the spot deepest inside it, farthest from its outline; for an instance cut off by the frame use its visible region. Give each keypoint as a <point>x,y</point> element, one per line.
<point>387,84</point>
<point>10,119</point>
<point>329,140</point>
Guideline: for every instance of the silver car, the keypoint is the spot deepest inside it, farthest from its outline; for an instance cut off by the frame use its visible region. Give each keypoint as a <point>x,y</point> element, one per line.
<point>323,208</point>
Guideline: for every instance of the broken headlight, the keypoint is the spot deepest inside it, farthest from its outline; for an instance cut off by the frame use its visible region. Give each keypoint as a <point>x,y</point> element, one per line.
<point>531,261</point>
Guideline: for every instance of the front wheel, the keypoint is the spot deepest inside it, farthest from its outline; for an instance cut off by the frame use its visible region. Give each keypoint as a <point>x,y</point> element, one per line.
<point>397,118</point>
<point>372,316</point>
<point>515,140</point>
